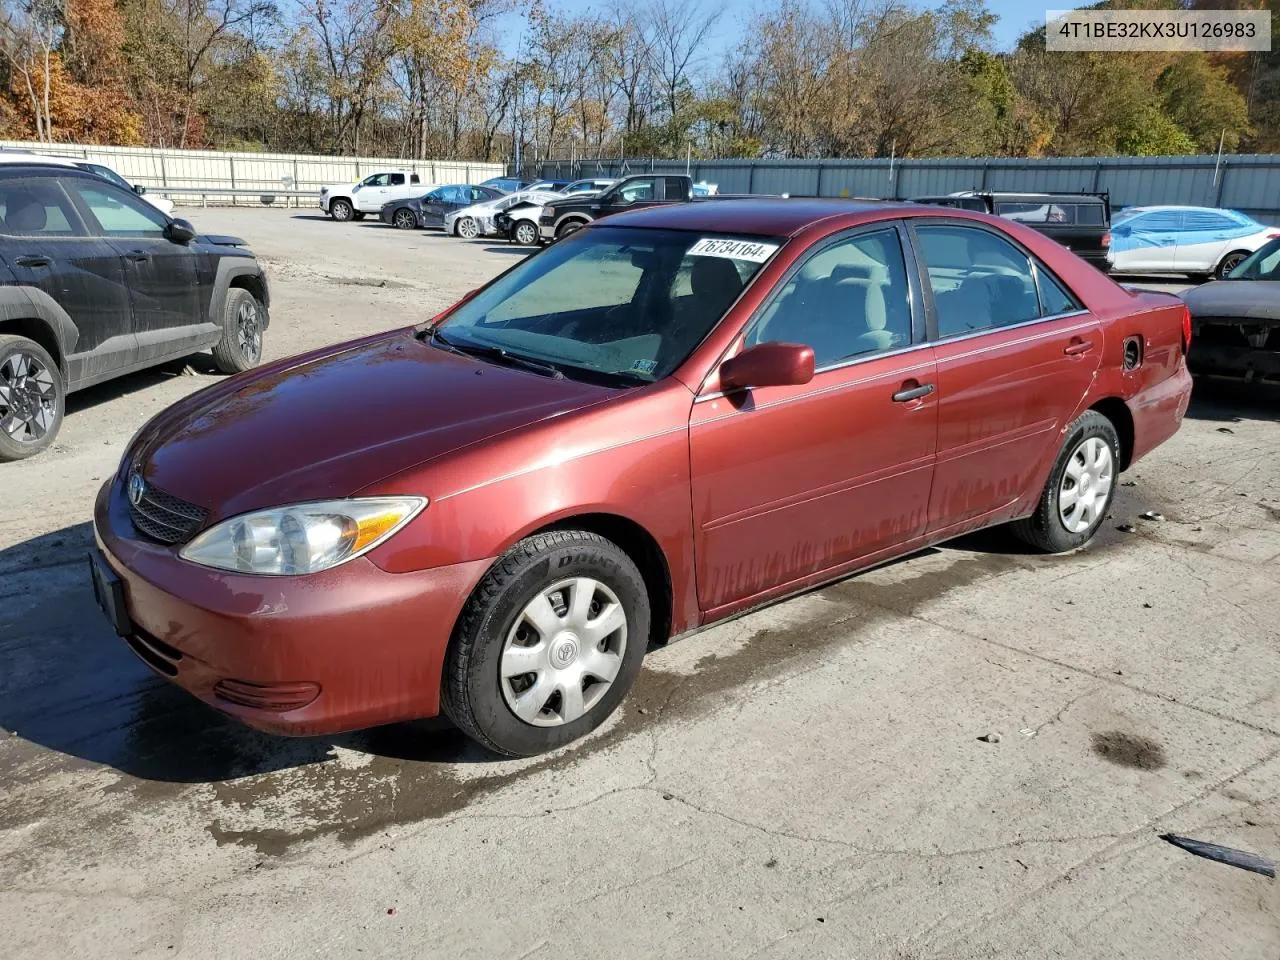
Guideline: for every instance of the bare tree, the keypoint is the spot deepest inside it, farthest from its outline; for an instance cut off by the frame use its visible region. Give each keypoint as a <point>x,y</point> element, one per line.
<point>29,33</point>
<point>678,34</point>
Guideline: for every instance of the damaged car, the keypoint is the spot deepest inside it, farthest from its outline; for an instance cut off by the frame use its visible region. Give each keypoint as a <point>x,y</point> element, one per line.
<point>1235,321</point>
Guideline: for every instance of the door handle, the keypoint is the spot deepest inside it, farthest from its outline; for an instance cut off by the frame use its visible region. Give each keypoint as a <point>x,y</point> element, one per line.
<point>907,393</point>
<point>1077,346</point>
<point>137,256</point>
<point>33,261</point>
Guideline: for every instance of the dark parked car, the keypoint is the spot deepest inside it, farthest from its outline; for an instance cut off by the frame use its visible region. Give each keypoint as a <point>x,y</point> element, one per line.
<point>1236,320</point>
<point>508,184</point>
<point>430,210</point>
<point>672,416</point>
<point>96,283</point>
<point>1081,222</point>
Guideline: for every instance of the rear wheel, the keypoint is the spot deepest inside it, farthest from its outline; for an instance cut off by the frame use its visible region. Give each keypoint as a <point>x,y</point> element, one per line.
<point>404,219</point>
<point>468,229</point>
<point>1230,262</point>
<point>240,348</point>
<point>341,210</point>
<point>1080,488</point>
<point>526,233</point>
<point>548,645</point>
<point>32,397</point>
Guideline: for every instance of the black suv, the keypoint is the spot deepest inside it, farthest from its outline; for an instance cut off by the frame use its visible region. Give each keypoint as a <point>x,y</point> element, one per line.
<point>95,283</point>
<point>1081,222</point>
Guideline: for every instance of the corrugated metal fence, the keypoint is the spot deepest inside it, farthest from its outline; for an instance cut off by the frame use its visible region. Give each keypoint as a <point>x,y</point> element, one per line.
<point>181,174</point>
<point>1249,183</point>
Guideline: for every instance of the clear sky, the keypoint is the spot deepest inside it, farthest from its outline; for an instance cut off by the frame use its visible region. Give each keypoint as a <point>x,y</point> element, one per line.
<point>1016,17</point>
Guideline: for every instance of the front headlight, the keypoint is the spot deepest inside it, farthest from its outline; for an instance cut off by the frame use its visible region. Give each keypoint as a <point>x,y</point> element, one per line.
<point>302,538</point>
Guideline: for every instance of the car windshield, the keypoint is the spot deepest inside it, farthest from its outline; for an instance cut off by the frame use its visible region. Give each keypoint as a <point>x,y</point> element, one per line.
<point>618,305</point>
<point>1262,264</point>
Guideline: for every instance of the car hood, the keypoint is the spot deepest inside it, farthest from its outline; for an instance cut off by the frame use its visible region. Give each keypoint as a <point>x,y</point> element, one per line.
<point>328,424</point>
<point>1235,298</point>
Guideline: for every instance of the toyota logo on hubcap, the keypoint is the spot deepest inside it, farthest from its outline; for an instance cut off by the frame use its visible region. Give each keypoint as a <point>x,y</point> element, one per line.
<point>137,487</point>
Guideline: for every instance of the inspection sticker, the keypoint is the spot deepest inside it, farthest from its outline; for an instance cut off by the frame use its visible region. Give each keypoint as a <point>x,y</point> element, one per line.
<point>733,249</point>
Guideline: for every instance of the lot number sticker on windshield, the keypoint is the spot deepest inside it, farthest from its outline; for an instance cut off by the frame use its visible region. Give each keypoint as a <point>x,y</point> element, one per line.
<point>733,249</point>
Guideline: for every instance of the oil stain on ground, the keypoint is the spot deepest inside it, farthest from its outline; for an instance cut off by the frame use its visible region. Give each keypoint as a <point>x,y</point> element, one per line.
<point>1127,750</point>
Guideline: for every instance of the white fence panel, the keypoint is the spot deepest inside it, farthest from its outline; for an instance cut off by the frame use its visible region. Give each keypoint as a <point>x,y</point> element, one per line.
<point>181,173</point>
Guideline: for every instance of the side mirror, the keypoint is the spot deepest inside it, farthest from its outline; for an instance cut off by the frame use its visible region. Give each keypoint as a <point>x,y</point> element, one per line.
<point>179,231</point>
<point>139,189</point>
<point>768,365</point>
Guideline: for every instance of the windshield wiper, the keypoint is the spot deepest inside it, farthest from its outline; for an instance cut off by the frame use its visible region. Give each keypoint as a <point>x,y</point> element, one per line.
<point>499,354</point>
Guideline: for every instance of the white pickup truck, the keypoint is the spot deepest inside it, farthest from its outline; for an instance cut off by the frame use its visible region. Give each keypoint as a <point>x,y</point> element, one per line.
<point>351,201</point>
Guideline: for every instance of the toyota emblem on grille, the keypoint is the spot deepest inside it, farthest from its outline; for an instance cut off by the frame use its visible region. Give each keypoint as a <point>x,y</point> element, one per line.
<point>137,487</point>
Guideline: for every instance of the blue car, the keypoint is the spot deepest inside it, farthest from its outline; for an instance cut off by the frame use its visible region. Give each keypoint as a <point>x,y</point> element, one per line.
<point>1200,241</point>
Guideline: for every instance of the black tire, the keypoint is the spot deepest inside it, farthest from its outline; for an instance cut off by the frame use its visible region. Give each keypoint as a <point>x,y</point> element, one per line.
<point>240,348</point>
<point>573,226</point>
<point>32,407</point>
<point>1045,528</point>
<point>466,228</point>
<point>341,210</point>
<point>404,219</point>
<point>472,691</point>
<point>1229,263</point>
<point>525,233</point>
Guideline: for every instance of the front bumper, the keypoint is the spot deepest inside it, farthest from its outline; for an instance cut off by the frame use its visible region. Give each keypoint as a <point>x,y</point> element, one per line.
<point>346,649</point>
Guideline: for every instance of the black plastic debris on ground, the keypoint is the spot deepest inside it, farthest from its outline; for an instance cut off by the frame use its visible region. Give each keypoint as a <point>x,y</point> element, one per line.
<point>1228,855</point>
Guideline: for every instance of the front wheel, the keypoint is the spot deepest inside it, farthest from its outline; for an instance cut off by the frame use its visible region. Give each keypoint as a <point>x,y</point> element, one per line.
<point>548,645</point>
<point>341,210</point>
<point>1081,486</point>
<point>468,229</point>
<point>526,233</point>
<point>404,219</point>
<point>240,348</point>
<point>573,226</point>
<point>32,398</point>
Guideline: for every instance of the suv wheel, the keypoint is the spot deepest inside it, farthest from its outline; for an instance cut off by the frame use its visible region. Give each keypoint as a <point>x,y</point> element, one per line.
<point>404,219</point>
<point>548,645</point>
<point>32,397</point>
<point>341,210</point>
<point>526,233</point>
<point>241,345</point>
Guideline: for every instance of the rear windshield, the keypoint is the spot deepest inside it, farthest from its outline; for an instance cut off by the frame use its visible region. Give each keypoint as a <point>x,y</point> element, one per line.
<point>617,304</point>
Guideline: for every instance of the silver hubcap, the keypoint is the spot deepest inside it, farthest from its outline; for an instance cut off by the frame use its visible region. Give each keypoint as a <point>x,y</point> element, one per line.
<point>563,652</point>
<point>1086,485</point>
<point>1230,264</point>
<point>524,233</point>
<point>467,228</point>
<point>404,219</point>
<point>248,332</point>
<point>28,398</point>
<point>341,211</point>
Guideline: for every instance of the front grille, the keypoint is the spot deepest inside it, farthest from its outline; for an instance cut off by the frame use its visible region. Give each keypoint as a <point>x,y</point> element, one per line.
<point>164,517</point>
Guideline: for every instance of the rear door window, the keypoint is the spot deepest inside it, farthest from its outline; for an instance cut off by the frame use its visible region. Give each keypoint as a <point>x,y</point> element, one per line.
<point>397,180</point>
<point>35,208</point>
<point>980,281</point>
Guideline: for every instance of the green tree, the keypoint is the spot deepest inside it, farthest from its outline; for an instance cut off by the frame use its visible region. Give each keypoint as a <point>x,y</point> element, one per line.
<point>1197,96</point>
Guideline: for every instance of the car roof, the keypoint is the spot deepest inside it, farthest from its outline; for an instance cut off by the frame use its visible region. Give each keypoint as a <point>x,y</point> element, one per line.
<point>762,216</point>
<point>35,159</point>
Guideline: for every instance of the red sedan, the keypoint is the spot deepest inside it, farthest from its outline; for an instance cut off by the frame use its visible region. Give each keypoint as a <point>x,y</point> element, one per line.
<point>673,415</point>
